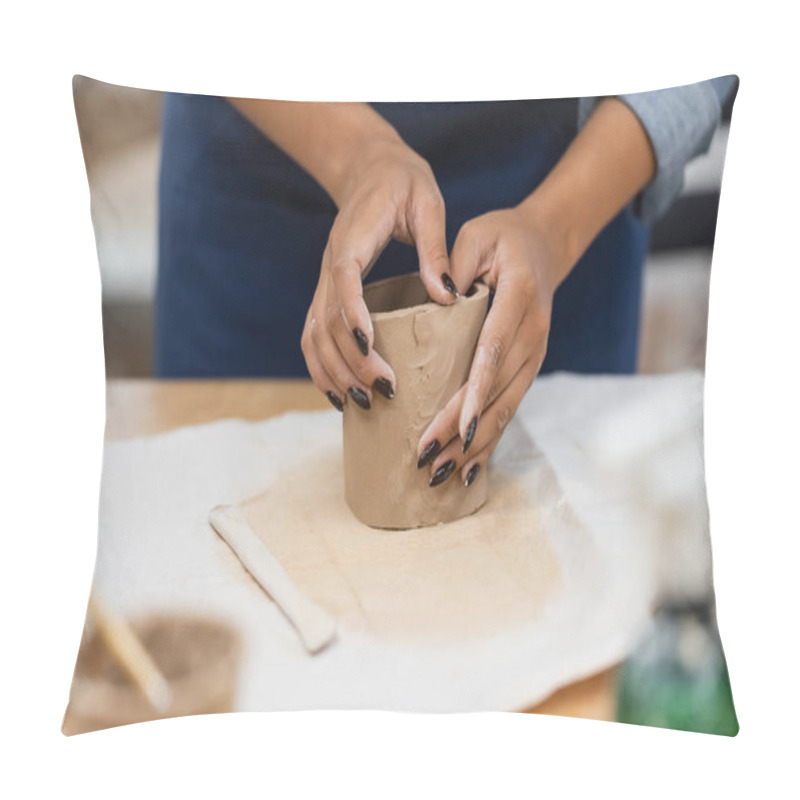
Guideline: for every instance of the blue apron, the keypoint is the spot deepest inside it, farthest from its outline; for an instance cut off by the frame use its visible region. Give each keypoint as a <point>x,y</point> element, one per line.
<point>242,229</point>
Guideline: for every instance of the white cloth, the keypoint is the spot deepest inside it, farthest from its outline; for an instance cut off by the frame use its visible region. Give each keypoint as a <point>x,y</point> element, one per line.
<point>157,552</point>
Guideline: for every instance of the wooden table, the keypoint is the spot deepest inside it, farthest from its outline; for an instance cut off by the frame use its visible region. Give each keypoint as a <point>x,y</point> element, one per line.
<point>143,407</point>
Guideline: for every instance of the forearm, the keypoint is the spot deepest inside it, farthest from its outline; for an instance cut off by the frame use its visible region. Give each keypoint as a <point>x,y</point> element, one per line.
<point>606,166</point>
<point>328,140</point>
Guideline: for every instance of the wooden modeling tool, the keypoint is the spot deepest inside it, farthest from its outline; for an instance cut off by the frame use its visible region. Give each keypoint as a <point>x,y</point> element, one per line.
<point>129,653</point>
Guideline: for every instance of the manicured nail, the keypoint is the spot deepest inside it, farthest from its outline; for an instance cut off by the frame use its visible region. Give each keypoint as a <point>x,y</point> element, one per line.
<point>470,434</point>
<point>472,474</point>
<point>335,401</point>
<point>443,473</point>
<point>361,341</point>
<point>359,397</point>
<point>385,387</point>
<point>429,453</point>
<point>447,281</point>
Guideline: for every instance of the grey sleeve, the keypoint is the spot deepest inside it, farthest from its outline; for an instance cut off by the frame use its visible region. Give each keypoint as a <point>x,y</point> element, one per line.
<point>680,123</point>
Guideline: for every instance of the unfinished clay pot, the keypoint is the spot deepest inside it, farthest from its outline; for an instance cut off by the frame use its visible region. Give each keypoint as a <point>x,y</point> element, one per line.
<point>430,348</point>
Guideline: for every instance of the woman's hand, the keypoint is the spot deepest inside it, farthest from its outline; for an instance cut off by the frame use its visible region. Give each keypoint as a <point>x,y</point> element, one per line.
<point>383,190</point>
<point>390,194</point>
<point>515,252</point>
<point>523,254</point>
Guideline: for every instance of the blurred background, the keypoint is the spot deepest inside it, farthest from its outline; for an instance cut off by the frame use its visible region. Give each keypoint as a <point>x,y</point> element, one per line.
<point>677,678</point>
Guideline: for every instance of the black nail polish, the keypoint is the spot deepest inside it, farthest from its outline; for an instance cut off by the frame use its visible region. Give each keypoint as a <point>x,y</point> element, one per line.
<point>448,284</point>
<point>359,397</point>
<point>429,453</point>
<point>335,401</point>
<point>472,474</point>
<point>443,473</point>
<point>361,341</point>
<point>384,386</point>
<point>471,428</point>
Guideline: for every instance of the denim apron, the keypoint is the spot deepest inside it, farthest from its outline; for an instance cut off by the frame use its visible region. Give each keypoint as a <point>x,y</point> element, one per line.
<point>242,230</point>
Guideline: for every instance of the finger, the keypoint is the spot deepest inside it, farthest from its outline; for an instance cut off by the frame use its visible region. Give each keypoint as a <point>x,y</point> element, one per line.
<point>506,406</point>
<point>453,462</point>
<point>354,244</point>
<point>371,370</point>
<point>444,426</point>
<point>493,422</point>
<point>319,375</point>
<point>468,259</point>
<point>446,462</point>
<point>331,360</point>
<point>498,333</point>
<point>442,430</point>
<point>477,463</point>
<point>428,229</point>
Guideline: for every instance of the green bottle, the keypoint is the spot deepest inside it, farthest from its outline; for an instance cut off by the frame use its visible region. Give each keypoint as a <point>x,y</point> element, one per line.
<point>677,678</point>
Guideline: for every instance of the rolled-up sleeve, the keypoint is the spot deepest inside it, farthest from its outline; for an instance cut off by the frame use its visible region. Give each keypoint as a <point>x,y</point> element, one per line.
<point>680,123</point>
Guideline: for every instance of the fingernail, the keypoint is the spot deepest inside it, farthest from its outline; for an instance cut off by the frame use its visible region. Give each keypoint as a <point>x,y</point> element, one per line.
<point>361,341</point>
<point>443,473</point>
<point>472,474</point>
<point>384,386</point>
<point>429,453</point>
<point>335,401</point>
<point>470,434</point>
<point>447,281</point>
<point>359,397</point>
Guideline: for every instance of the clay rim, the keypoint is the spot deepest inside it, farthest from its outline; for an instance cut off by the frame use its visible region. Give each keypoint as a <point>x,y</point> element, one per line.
<point>480,291</point>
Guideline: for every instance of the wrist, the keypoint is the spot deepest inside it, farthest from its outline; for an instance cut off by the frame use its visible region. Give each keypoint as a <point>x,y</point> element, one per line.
<point>552,220</point>
<point>330,141</point>
<point>604,168</point>
<point>358,149</point>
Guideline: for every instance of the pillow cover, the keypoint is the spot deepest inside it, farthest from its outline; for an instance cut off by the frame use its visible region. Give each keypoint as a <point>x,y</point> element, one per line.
<point>464,509</point>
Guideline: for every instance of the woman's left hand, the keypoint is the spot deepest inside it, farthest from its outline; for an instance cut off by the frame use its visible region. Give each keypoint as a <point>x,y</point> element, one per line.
<point>515,253</point>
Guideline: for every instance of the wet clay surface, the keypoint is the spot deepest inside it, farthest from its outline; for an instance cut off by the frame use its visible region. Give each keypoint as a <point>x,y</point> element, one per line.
<point>430,348</point>
<point>465,580</point>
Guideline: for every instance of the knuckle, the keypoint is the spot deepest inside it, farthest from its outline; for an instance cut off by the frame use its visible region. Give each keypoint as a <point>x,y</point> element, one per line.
<point>339,233</point>
<point>314,336</point>
<point>450,428</point>
<point>468,231</point>
<point>437,258</point>
<point>527,290</point>
<point>342,376</point>
<point>333,314</point>
<point>363,371</point>
<point>494,351</point>
<point>338,268</point>
<point>334,240</point>
<point>344,267</point>
<point>503,417</point>
<point>431,203</point>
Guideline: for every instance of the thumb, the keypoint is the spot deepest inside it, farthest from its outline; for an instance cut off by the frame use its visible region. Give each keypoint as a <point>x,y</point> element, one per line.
<point>467,258</point>
<point>428,230</point>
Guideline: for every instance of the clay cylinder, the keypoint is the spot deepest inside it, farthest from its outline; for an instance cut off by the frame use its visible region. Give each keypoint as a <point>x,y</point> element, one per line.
<point>430,348</point>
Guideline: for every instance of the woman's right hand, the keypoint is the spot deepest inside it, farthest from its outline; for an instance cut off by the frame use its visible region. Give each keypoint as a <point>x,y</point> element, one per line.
<point>389,193</point>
